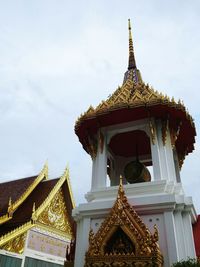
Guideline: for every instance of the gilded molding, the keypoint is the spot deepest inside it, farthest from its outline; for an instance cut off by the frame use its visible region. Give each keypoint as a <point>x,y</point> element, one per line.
<point>43,206</point>
<point>13,206</point>
<point>70,189</point>
<point>101,141</point>
<point>164,130</point>
<point>142,245</point>
<point>43,175</point>
<point>152,132</point>
<point>132,94</point>
<point>55,215</point>
<point>16,232</point>
<point>53,231</point>
<point>16,244</point>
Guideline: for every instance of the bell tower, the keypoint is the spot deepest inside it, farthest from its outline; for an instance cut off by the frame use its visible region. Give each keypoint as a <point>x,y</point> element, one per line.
<point>144,136</point>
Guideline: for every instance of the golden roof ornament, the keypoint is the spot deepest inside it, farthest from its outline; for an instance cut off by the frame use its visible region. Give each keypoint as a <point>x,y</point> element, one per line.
<point>123,237</point>
<point>135,100</point>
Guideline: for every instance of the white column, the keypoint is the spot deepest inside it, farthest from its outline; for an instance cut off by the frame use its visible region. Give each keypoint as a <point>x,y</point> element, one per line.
<point>176,164</point>
<point>163,161</point>
<point>187,225</point>
<point>171,237</point>
<point>180,235</point>
<point>170,158</point>
<point>82,236</point>
<point>99,168</point>
<point>79,231</point>
<point>94,176</point>
<point>155,153</point>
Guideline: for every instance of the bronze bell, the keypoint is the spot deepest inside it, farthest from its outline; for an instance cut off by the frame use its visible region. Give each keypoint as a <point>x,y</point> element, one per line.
<point>136,172</point>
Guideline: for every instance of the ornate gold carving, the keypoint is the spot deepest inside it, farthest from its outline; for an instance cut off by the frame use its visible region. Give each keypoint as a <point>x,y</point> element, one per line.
<point>174,133</point>
<point>152,132</point>
<point>132,94</point>
<point>16,244</point>
<point>43,206</point>
<point>13,234</point>
<point>181,158</point>
<point>101,141</point>
<point>13,206</point>
<point>136,246</point>
<point>56,215</point>
<point>164,130</point>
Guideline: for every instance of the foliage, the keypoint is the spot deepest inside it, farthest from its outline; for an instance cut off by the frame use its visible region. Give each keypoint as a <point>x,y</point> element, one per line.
<point>187,263</point>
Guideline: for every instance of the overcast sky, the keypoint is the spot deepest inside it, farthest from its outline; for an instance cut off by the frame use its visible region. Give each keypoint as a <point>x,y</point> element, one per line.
<point>58,57</point>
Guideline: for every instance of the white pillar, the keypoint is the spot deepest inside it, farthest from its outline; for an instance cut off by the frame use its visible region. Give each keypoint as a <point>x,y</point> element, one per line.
<point>82,241</point>
<point>187,225</point>
<point>99,167</point>
<point>171,237</point>
<point>180,235</point>
<point>155,153</point>
<point>170,158</point>
<point>161,147</point>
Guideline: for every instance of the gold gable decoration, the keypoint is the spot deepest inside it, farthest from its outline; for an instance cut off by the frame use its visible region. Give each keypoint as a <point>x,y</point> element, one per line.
<point>123,240</point>
<point>55,214</point>
<point>16,244</point>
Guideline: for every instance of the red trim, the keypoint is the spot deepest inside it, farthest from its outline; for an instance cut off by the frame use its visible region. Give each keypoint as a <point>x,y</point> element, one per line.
<point>196,234</point>
<point>186,139</point>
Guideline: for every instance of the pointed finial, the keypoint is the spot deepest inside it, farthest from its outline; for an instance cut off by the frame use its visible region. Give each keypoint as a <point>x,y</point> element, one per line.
<point>10,202</point>
<point>33,209</point>
<point>120,180</point>
<point>120,184</point>
<point>10,210</point>
<point>131,60</point>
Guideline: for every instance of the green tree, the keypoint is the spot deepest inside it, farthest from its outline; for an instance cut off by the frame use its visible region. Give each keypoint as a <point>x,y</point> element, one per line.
<point>187,263</point>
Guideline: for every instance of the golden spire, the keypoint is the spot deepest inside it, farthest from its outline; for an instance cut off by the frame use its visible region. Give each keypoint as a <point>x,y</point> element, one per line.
<point>121,189</point>
<point>131,60</point>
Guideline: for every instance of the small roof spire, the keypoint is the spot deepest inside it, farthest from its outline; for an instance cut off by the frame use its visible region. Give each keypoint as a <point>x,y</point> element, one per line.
<point>131,60</point>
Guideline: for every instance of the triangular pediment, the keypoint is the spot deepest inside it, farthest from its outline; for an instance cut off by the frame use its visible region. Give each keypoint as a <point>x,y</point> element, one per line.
<point>55,215</point>
<point>123,235</point>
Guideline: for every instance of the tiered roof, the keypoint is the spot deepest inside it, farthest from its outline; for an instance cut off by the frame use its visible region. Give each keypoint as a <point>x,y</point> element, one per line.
<point>136,100</point>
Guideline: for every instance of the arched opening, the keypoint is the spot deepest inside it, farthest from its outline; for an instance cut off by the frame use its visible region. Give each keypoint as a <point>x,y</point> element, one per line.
<point>119,243</point>
<point>129,154</point>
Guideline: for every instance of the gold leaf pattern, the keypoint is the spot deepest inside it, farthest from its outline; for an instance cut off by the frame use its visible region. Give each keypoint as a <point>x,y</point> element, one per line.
<point>16,245</point>
<point>123,216</point>
<point>56,215</point>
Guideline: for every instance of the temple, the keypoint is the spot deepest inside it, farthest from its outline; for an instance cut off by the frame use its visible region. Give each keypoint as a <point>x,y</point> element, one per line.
<point>144,136</point>
<point>136,213</point>
<point>36,227</point>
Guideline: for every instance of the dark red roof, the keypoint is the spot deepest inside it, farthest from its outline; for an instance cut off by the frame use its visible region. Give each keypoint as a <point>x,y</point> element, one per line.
<point>24,212</point>
<point>196,234</point>
<point>13,189</point>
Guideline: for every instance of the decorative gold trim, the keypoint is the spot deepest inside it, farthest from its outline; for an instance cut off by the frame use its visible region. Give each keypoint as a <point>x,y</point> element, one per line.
<point>152,132</point>
<point>101,141</point>
<point>16,244</point>
<point>70,189</point>
<point>4,218</point>
<point>164,131</point>
<point>123,216</point>
<point>53,230</point>
<point>51,195</point>
<point>16,232</point>
<point>43,175</point>
<point>13,206</point>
